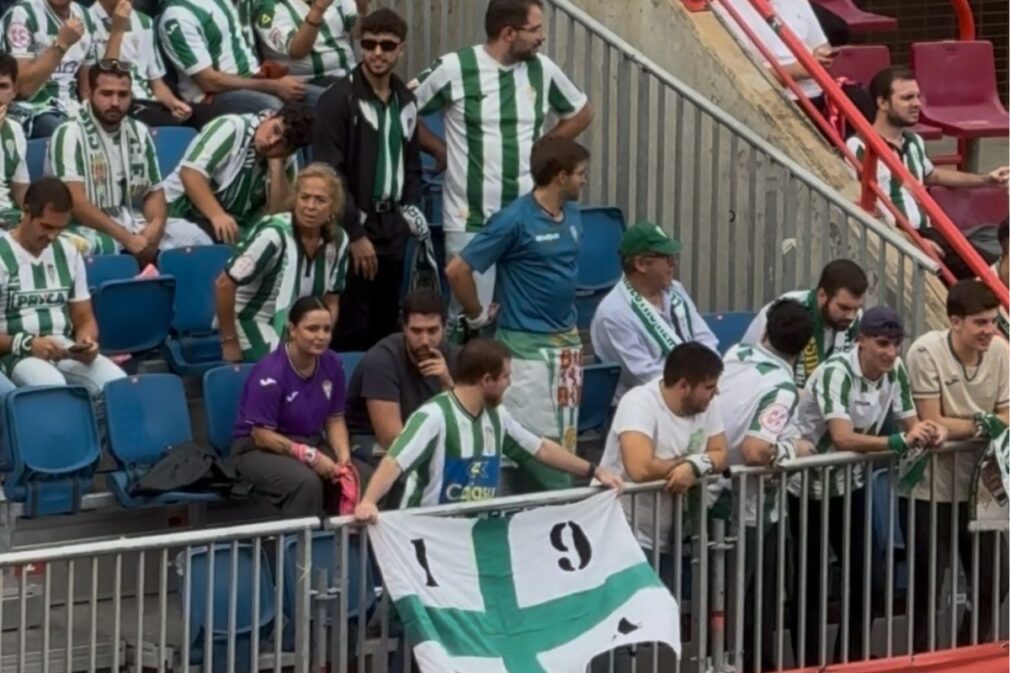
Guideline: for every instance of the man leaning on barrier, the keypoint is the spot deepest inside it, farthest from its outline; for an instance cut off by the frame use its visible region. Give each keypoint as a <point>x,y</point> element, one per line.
<point>957,380</point>
<point>844,408</point>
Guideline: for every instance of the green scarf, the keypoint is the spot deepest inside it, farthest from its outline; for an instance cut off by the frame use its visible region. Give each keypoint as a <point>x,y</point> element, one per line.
<point>817,351</point>
<point>99,179</point>
<point>662,333</point>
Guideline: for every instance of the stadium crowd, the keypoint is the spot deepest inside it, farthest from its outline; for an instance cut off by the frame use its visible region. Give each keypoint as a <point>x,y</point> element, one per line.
<point>480,397</point>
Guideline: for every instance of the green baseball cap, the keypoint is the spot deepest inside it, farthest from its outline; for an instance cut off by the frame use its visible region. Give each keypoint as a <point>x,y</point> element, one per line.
<point>644,238</point>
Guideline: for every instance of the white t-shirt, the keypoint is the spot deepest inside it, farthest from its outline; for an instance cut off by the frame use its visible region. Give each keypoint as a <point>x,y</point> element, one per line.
<point>643,410</point>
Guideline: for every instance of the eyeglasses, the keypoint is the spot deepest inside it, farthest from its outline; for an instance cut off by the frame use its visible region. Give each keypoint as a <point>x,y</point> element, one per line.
<point>385,45</point>
<point>113,66</point>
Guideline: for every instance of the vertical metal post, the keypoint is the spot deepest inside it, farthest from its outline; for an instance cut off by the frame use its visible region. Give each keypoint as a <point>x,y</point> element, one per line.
<point>303,591</point>
<point>718,619</point>
<point>208,628</point>
<point>138,661</point>
<point>758,578</point>
<point>254,645</point>
<point>232,608</point>
<point>187,600</point>
<point>343,540</point>
<point>93,649</point>
<point>780,594</point>
<point>822,620</point>
<point>741,572</point>
<point>931,593</point>
<point>952,564</point>
<point>279,598</point>
<point>46,614</point>
<point>163,609</point>
<point>847,598</point>
<point>117,598</point>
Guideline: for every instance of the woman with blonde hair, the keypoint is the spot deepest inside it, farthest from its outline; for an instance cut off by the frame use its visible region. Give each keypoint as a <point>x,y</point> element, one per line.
<point>298,253</point>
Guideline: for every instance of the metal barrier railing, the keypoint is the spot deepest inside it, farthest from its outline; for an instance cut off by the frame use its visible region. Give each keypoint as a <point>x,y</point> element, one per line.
<point>664,152</point>
<point>297,593</point>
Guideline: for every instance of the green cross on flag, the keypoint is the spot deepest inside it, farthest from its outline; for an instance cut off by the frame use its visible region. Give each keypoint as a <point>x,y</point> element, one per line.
<point>542,591</point>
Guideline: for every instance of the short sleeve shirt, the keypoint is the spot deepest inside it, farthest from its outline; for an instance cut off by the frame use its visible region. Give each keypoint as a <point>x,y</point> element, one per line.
<point>278,398</point>
<point>912,153</point>
<point>13,162</point>
<point>139,48</point>
<point>538,265</point>
<point>278,21</point>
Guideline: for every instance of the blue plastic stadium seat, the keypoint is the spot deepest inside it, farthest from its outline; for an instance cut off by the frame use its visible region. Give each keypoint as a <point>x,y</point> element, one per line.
<point>35,157</point>
<point>200,593</point>
<point>324,558</point>
<point>170,143</point>
<point>146,416</point>
<point>103,268</point>
<point>599,384</point>
<point>729,328</point>
<point>193,346</point>
<point>350,360</point>
<point>51,464</point>
<point>222,387</point>
<point>134,315</point>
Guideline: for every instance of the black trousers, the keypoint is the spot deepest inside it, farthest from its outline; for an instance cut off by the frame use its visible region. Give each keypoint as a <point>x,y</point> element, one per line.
<point>154,114</point>
<point>369,309</point>
<point>951,258</point>
<point>987,573</point>
<point>851,587</point>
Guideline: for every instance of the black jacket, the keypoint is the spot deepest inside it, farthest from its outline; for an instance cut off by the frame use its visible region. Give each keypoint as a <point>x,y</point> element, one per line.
<point>345,140</point>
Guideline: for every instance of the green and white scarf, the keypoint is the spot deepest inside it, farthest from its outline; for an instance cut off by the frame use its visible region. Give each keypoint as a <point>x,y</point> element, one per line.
<point>990,482</point>
<point>665,335</point>
<point>99,176</point>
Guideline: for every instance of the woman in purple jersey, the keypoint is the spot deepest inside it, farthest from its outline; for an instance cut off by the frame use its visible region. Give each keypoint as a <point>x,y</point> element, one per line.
<point>290,440</point>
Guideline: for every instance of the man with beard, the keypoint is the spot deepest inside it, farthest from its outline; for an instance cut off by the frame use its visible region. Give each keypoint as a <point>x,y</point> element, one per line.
<point>451,448</point>
<point>958,378</point>
<point>109,163</point>
<point>835,305</point>
<point>898,106</point>
<point>535,242</point>
<point>494,97</point>
<point>366,129</point>
<point>14,176</point>
<point>844,408</point>
<point>401,372</point>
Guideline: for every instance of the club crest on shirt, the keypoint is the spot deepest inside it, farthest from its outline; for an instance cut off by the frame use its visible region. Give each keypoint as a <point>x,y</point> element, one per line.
<point>19,36</point>
<point>774,418</point>
<point>327,388</point>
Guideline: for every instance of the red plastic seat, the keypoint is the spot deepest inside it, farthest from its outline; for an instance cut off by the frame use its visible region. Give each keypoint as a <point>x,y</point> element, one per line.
<point>858,20</point>
<point>958,83</point>
<point>969,208</point>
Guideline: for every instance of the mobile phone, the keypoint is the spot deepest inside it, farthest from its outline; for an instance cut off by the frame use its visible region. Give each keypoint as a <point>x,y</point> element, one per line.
<point>78,348</point>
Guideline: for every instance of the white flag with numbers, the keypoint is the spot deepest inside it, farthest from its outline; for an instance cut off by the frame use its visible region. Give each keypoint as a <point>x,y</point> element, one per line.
<point>542,591</point>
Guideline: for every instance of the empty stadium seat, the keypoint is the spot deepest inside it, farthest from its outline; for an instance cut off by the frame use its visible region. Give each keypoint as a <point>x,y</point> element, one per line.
<point>599,262</point>
<point>729,328</point>
<point>958,84</point>
<point>599,384</point>
<point>220,593</point>
<point>102,268</point>
<point>134,315</point>
<point>51,463</point>
<point>970,208</point>
<point>170,142</point>
<point>193,346</point>
<point>35,156</point>
<point>222,387</point>
<point>146,416</point>
<point>350,360</point>
<point>856,19</point>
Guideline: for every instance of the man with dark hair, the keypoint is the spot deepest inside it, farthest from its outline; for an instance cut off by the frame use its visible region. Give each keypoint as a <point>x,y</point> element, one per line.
<point>648,312</point>
<point>14,176</point>
<point>835,306</point>
<point>48,332</point>
<point>959,380</point>
<point>845,406</point>
<point>451,448</point>
<point>495,98</point>
<point>238,168</point>
<point>669,429</point>
<point>898,106</point>
<point>109,163</point>
<point>366,129</point>
<point>535,243</point>
<point>401,372</point>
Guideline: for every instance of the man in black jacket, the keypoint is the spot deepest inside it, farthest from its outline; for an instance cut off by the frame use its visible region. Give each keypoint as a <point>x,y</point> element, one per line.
<point>365,128</point>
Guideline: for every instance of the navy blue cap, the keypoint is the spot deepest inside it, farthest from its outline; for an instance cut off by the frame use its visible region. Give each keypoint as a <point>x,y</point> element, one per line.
<point>882,321</point>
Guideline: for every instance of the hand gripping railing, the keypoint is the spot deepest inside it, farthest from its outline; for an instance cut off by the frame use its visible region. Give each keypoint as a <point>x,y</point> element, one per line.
<point>876,148</point>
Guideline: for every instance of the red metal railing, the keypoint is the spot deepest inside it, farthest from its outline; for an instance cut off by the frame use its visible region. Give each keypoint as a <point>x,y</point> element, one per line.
<point>965,20</point>
<point>876,148</point>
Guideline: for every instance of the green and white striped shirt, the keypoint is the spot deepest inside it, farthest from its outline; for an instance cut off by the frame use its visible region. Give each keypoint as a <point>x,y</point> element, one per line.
<point>259,266</point>
<point>394,126</point>
<point>450,456</point>
<point>30,27</point>
<point>223,152</point>
<point>838,390</point>
<point>139,48</point>
<point>205,34</point>
<point>277,22</point>
<point>37,291</point>
<point>13,165</point>
<point>913,154</point>
<point>493,115</point>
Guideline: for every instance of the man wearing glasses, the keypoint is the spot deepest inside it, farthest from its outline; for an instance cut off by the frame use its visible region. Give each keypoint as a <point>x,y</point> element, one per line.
<point>366,129</point>
<point>108,161</point>
<point>648,313</point>
<point>495,98</point>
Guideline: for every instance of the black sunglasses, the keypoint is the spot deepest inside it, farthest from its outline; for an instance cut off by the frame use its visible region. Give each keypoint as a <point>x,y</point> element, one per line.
<point>385,45</point>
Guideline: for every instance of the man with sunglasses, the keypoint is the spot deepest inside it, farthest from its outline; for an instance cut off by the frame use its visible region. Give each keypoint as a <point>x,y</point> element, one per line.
<point>108,161</point>
<point>365,128</point>
<point>495,98</point>
<point>844,408</point>
<point>648,313</point>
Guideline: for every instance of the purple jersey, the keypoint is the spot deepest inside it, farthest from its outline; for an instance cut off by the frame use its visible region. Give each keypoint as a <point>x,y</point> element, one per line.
<point>278,398</point>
